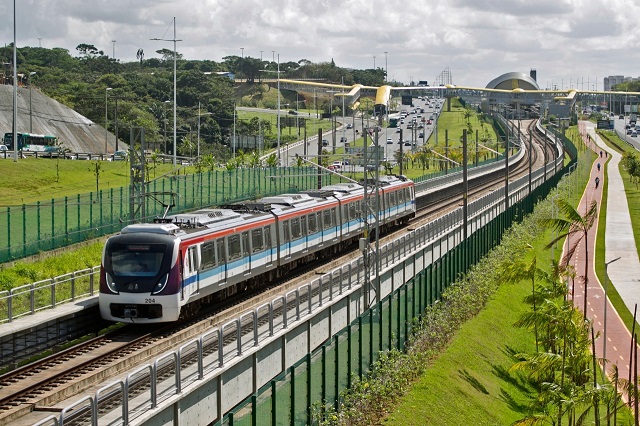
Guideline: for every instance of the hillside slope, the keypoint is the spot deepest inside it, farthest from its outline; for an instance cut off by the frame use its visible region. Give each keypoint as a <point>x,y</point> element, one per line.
<point>76,132</point>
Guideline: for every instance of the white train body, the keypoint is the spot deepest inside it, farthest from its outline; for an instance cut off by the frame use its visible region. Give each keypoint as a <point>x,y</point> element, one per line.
<point>159,271</point>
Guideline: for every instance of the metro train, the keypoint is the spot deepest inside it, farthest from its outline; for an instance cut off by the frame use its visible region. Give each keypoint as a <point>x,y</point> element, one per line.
<point>158,272</point>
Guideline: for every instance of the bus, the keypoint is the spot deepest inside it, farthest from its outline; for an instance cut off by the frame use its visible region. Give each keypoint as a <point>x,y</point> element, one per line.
<point>393,122</point>
<point>32,143</point>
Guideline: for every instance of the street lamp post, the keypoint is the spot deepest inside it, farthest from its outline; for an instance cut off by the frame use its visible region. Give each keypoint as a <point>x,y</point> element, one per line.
<point>278,104</point>
<point>106,118</point>
<point>386,68</point>
<point>31,74</point>
<point>278,109</point>
<point>114,49</point>
<point>175,124</point>
<point>606,302</point>
<point>200,115</point>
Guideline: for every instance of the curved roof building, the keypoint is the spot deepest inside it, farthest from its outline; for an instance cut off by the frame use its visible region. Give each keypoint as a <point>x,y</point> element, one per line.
<point>513,80</point>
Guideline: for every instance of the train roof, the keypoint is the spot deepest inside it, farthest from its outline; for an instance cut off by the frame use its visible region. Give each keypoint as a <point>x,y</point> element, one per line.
<point>339,190</point>
<point>205,218</point>
<point>386,180</point>
<point>153,228</point>
<point>289,200</point>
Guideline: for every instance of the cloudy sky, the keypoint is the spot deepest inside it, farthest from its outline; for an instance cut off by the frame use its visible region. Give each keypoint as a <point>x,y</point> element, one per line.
<point>568,42</point>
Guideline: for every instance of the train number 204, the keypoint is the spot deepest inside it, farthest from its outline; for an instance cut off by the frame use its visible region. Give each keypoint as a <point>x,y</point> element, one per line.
<point>149,300</point>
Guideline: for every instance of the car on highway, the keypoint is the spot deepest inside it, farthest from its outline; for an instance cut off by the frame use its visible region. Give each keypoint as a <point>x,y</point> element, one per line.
<point>634,133</point>
<point>349,126</point>
<point>292,112</point>
<point>325,142</point>
<point>3,148</point>
<point>120,155</point>
<point>389,140</point>
<point>343,139</point>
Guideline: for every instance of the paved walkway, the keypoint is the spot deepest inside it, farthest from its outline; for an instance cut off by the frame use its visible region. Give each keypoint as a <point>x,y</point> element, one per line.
<point>619,242</point>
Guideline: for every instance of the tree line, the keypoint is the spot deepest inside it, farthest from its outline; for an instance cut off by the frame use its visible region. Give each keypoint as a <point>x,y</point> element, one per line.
<point>141,92</point>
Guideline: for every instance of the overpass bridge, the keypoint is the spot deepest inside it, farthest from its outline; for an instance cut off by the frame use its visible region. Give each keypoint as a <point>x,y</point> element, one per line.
<point>508,89</point>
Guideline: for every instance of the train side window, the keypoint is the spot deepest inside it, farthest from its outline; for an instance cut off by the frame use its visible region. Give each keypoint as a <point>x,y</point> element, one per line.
<point>327,218</point>
<point>295,228</point>
<point>208,255</point>
<point>267,237</point>
<point>195,260</point>
<point>392,200</point>
<point>352,211</point>
<point>233,241</point>
<point>313,225</point>
<point>246,249</point>
<point>303,226</point>
<point>257,240</point>
<point>285,231</point>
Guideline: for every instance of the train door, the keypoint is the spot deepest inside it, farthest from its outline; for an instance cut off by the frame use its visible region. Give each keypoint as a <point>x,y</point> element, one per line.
<point>297,243</point>
<point>285,245</point>
<point>190,282</point>
<point>305,233</point>
<point>268,245</point>
<point>246,253</point>
<point>221,262</point>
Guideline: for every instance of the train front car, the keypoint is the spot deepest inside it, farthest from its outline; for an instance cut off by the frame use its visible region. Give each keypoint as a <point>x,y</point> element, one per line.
<point>140,276</point>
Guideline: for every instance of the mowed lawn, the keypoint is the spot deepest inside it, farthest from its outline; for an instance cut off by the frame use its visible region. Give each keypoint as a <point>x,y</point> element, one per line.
<point>40,179</point>
<point>468,383</point>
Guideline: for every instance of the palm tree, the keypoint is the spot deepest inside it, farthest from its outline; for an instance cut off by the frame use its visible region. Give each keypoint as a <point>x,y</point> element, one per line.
<point>518,271</point>
<point>576,226</point>
<point>272,160</point>
<point>254,160</point>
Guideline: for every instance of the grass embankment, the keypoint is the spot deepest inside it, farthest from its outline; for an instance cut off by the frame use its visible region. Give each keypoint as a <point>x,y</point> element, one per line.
<point>468,384</point>
<point>29,180</point>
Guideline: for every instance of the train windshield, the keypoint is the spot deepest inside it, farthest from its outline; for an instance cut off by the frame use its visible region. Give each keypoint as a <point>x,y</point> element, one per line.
<point>136,260</point>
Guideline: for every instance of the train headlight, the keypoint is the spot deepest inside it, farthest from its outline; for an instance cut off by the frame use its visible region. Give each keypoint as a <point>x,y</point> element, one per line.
<point>111,284</point>
<point>161,285</point>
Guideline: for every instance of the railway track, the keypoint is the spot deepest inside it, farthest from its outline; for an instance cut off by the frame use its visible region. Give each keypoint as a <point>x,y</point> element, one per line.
<point>42,385</point>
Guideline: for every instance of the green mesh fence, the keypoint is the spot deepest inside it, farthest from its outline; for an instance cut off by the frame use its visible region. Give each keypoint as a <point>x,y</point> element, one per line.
<point>317,380</point>
<point>32,228</point>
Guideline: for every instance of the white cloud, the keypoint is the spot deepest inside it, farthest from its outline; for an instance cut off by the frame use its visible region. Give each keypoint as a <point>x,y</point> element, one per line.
<point>565,40</point>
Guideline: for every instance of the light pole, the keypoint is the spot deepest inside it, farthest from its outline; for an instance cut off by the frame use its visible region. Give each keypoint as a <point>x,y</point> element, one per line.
<point>31,74</point>
<point>175,124</point>
<point>39,41</point>
<point>234,131</point>
<point>200,115</point>
<point>278,109</point>
<point>606,302</point>
<point>386,68</point>
<point>15,90</point>
<point>114,49</point>
<point>106,118</point>
<point>374,63</point>
<point>164,122</point>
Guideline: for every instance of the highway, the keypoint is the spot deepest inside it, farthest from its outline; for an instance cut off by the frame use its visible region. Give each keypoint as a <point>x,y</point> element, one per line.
<point>424,112</point>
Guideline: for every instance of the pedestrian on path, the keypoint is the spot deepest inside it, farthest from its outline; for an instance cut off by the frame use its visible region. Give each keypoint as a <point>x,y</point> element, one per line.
<point>597,181</point>
<point>598,166</point>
